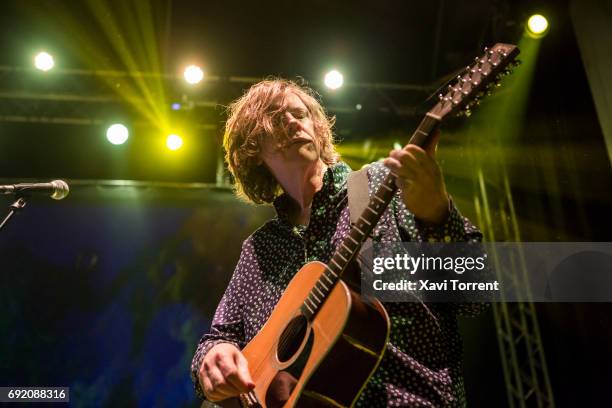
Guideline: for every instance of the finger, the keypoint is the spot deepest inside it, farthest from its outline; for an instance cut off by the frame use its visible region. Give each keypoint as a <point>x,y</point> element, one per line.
<point>413,157</point>
<point>411,153</point>
<point>418,153</point>
<point>207,387</point>
<point>392,164</point>
<point>412,163</point>
<point>396,153</point>
<point>229,370</point>
<point>400,154</point>
<point>425,162</point>
<point>407,169</point>
<point>243,371</point>
<point>219,385</point>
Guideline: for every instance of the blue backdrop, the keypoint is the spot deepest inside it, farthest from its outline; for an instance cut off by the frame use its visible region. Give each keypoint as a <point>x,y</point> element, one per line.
<point>108,291</point>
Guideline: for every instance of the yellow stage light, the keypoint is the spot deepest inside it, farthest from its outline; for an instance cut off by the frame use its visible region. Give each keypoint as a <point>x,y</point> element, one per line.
<point>174,142</point>
<point>537,25</point>
<point>334,79</point>
<point>44,61</point>
<point>193,74</point>
<point>117,134</point>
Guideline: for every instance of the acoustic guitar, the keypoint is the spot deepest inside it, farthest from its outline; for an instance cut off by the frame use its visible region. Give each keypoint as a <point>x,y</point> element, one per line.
<point>323,341</point>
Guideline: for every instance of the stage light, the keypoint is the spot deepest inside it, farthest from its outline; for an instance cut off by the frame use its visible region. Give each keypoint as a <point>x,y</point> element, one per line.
<point>537,25</point>
<point>117,134</point>
<point>176,106</point>
<point>44,61</point>
<point>334,79</point>
<point>174,142</point>
<point>193,74</point>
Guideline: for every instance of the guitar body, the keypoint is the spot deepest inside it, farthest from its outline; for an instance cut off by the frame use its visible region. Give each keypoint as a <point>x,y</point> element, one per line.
<point>322,363</point>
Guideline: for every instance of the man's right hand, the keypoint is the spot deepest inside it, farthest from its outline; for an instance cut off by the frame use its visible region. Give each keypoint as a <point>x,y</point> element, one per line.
<point>224,373</point>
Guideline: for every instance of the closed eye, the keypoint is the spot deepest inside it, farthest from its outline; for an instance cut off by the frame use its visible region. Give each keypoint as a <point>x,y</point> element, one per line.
<point>299,114</point>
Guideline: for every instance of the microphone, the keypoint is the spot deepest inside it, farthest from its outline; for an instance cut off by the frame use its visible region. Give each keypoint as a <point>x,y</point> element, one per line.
<point>57,189</point>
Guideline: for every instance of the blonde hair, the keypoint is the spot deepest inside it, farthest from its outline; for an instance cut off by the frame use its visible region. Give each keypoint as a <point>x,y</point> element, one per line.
<point>254,116</point>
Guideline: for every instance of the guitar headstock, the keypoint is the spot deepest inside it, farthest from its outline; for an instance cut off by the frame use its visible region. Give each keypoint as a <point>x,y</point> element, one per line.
<point>476,80</point>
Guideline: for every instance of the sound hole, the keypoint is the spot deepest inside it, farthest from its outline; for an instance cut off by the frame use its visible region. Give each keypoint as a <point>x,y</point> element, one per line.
<point>292,338</point>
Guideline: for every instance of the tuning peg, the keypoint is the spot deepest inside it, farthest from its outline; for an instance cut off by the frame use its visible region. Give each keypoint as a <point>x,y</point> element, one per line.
<point>467,113</point>
<point>440,96</point>
<point>516,63</point>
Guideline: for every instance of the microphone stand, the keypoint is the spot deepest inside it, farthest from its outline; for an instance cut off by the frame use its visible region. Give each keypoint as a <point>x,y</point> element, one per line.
<point>15,207</point>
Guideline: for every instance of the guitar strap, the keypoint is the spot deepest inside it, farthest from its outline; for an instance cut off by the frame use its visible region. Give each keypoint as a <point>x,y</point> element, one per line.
<point>358,196</point>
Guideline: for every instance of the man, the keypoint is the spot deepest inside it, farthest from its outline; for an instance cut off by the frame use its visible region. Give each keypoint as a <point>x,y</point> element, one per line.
<point>279,148</point>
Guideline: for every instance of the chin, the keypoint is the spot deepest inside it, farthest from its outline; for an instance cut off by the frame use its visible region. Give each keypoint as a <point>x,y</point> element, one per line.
<point>309,152</point>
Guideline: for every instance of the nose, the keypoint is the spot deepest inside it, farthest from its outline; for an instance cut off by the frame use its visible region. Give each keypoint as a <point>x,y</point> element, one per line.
<point>293,124</point>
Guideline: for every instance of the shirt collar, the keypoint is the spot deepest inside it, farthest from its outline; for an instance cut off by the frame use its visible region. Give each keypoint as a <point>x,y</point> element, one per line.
<point>334,180</point>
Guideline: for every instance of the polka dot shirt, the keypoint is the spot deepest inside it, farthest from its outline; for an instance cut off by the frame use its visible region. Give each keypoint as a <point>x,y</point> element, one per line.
<point>422,364</point>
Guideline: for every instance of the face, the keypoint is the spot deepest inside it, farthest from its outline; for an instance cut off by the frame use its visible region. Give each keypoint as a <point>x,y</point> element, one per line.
<point>293,143</point>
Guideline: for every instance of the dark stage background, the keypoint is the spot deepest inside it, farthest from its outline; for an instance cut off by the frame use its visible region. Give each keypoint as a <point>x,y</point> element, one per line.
<point>109,290</point>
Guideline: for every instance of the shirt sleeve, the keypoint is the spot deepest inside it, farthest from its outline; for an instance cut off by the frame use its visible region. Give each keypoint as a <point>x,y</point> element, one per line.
<point>227,325</point>
<point>456,228</point>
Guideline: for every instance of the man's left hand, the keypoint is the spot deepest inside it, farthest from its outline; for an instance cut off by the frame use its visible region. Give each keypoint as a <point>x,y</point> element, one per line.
<point>420,180</point>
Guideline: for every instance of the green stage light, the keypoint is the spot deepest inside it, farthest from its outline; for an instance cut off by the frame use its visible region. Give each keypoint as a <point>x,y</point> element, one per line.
<point>44,61</point>
<point>174,142</point>
<point>117,134</point>
<point>537,26</point>
<point>193,74</point>
<point>333,79</point>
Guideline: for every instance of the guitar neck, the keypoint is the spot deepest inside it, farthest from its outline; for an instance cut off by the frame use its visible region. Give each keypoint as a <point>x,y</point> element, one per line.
<point>463,94</point>
<point>361,230</point>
